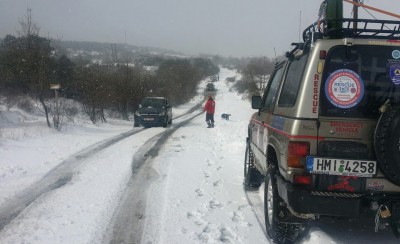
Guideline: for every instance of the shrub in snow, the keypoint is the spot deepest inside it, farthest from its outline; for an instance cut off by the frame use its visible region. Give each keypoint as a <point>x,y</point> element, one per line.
<point>26,105</point>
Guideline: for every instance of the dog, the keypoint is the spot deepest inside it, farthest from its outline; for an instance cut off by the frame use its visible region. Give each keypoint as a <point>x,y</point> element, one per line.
<point>225,116</point>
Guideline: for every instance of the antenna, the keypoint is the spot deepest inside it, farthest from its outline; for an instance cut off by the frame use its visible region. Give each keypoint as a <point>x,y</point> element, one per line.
<point>276,58</point>
<point>299,26</point>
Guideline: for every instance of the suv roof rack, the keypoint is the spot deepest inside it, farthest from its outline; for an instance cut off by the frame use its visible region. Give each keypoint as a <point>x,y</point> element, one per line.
<point>366,28</point>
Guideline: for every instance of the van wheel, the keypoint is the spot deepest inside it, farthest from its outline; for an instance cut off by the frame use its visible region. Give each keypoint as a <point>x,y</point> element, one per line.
<point>252,177</point>
<point>276,212</point>
<point>387,144</point>
<point>165,122</point>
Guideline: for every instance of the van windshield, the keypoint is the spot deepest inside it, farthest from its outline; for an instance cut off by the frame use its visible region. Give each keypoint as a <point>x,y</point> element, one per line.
<point>357,80</point>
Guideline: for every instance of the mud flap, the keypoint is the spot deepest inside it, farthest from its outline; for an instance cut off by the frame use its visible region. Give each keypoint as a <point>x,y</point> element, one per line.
<point>395,219</point>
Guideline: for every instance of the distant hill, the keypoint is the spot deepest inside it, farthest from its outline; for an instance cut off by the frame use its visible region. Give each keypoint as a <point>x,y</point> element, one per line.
<point>111,52</point>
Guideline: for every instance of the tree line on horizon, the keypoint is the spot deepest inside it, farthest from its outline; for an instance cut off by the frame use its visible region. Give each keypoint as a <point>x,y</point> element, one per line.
<point>30,63</point>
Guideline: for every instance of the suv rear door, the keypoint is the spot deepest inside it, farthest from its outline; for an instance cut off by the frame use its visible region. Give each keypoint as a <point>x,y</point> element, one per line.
<point>354,85</point>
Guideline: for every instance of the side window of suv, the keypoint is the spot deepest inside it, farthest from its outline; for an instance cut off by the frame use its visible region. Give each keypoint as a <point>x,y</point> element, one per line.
<point>292,82</point>
<point>272,88</point>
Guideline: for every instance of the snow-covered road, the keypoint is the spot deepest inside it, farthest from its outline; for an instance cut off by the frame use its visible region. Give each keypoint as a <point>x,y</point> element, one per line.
<point>188,190</point>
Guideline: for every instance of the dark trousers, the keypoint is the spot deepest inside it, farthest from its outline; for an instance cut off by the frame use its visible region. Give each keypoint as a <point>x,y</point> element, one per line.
<point>210,119</point>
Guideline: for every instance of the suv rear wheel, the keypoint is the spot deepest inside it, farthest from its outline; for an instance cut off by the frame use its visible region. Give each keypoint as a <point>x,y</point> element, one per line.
<point>252,177</point>
<point>276,211</point>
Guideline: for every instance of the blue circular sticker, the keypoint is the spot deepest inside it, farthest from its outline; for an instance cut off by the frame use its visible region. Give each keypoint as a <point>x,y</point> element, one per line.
<point>396,54</point>
<point>344,88</point>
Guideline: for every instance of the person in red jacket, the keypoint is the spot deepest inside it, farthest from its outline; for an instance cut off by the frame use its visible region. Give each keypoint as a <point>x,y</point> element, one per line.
<point>209,108</point>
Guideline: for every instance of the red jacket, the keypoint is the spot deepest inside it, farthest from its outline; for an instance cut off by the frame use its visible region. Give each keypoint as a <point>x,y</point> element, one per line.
<point>210,106</point>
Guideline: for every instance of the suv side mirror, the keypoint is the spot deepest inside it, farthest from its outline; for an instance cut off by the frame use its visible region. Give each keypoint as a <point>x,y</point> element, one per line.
<point>256,102</point>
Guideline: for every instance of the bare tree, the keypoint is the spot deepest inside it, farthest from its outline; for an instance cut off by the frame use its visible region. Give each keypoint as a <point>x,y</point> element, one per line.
<point>37,56</point>
<point>258,71</point>
<point>92,84</point>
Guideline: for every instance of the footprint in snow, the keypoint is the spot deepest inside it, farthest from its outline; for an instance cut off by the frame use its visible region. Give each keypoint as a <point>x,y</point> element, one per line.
<point>214,233</point>
<point>178,203</point>
<point>227,235</point>
<point>240,208</point>
<point>236,217</point>
<point>213,204</point>
<point>199,192</point>
<point>217,183</point>
<point>196,217</point>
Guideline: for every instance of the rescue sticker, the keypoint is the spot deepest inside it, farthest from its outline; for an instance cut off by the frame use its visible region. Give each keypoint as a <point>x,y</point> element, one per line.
<point>344,88</point>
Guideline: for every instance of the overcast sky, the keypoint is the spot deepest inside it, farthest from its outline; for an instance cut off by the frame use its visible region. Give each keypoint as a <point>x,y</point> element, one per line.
<point>224,27</point>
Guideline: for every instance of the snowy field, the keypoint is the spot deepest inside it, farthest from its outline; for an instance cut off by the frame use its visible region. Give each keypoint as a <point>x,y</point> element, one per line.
<point>197,196</point>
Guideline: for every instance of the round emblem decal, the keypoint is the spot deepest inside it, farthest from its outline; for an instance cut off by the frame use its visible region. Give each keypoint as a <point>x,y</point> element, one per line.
<point>396,54</point>
<point>344,88</point>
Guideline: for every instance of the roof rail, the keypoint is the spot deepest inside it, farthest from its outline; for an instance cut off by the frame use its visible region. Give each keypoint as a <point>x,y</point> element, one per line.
<point>297,46</point>
<point>365,28</point>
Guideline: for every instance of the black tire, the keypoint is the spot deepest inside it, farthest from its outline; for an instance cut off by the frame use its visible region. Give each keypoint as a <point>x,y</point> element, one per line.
<point>165,122</point>
<point>387,144</point>
<point>276,213</point>
<point>252,177</point>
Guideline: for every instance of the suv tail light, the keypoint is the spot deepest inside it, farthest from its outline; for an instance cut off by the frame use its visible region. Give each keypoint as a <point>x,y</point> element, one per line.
<point>297,151</point>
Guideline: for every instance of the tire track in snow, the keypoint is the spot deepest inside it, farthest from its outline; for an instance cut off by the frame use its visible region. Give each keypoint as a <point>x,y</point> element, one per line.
<point>257,206</point>
<point>54,179</point>
<point>129,217</point>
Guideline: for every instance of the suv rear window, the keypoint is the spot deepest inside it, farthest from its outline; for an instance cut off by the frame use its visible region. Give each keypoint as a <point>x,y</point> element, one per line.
<point>372,68</point>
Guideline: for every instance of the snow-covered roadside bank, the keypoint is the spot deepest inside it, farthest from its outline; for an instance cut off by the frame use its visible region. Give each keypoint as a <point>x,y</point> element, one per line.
<point>26,160</point>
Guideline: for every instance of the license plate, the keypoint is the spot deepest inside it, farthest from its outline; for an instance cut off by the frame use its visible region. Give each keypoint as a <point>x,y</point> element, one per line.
<point>148,119</point>
<point>345,167</point>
